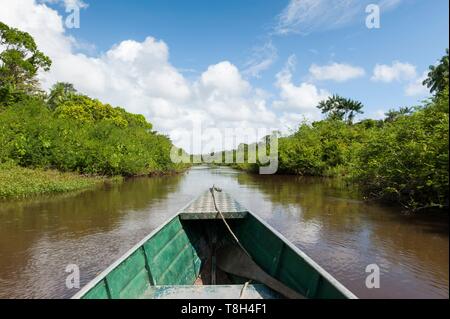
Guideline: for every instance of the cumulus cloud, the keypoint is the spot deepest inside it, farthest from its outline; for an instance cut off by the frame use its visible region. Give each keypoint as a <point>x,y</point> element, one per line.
<point>302,98</point>
<point>379,114</point>
<point>405,73</point>
<point>224,79</point>
<point>416,88</point>
<point>140,77</point>
<point>397,71</point>
<point>337,72</point>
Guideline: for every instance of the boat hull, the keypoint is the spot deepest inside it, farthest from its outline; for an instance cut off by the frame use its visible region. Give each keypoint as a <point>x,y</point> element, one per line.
<point>175,256</point>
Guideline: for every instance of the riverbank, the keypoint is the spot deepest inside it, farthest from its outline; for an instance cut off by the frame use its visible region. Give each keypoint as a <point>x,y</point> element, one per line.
<point>401,160</point>
<point>20,182</point>
<point>319,215</point>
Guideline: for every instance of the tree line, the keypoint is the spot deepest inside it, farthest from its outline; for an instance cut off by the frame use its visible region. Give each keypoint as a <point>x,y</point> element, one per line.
<point>402,159</point>
<point>64,129</point>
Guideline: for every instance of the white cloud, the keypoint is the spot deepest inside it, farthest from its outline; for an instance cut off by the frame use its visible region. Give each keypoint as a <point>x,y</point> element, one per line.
<point>416,88</point>
<point>139,77</point>
<point>379,114</point>
<point>224,78</point>
<point>336,72</point>
<point>291,121</point>
<point>403,73</point>
<point>263,57</point>
<point>306,16</point>
<point>302,98</point>
<point>398,71</point>
<point>75,3</point>
<point>68,4</point>
<point>389,4</point>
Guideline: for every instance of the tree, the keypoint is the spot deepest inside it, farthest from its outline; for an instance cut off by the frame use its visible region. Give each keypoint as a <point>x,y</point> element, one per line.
<point>60,93</point>
<point>393,115</point>
<point>341,108</point>
<point>438,76</point>
<point>20,62</point>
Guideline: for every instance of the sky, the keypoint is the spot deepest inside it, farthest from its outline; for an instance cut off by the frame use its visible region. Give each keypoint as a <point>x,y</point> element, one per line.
<point>193,66</point>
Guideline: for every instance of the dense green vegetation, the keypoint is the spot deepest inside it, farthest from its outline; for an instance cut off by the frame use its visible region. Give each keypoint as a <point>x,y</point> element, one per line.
<point>18,182</point>
<point>82,135</point>
<point>65,130</point>
<point>406,160</point>
<point>402,159</point>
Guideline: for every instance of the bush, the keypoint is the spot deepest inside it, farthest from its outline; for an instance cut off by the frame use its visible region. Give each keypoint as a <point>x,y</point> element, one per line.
<point>18,182</point>
<point>89,138</point>
<point>403,159</point>
<point>407,160</point>
<point>322,149</point>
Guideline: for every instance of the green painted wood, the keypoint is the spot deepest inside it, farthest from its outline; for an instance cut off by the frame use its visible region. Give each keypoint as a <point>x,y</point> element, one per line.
<point>172,258</point>
<point>276,260</point>
<point>151,280</point>
<point>130,278</point>
<point>291,268</point>
<point>100,291</point>
<point>160,240</point>
<point>313,285</point>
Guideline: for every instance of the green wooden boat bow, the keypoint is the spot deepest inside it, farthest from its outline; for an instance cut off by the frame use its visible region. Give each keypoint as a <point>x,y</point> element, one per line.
<point>214,248</point>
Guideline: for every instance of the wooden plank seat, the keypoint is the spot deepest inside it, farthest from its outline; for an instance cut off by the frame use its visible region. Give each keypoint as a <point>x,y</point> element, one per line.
<point>203,208</point>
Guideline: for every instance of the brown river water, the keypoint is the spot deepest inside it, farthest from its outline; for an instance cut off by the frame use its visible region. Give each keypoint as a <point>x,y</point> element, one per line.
<point>328,221</point>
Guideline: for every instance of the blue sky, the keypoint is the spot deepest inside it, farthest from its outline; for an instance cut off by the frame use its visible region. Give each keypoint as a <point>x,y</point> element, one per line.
<point>204,32</point>
<point>237,63</point>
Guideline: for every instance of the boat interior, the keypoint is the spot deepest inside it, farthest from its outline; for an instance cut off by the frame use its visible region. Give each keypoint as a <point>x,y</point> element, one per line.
<point>200,254</point>
<point>198,269</point>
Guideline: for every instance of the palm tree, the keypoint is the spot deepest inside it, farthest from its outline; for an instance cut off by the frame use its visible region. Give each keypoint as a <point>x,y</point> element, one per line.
<point>341,108</point>
<point>392,115</point>
<point>59,93</point>
<point>437,79</point>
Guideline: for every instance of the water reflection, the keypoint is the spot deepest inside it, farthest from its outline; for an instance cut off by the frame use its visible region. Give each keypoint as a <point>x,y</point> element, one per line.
<point>326,219</point>
<point>323,217</point>
<point>39,238</point>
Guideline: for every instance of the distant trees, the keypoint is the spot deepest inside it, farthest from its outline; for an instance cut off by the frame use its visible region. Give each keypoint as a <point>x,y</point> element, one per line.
<point>20,62</point>
<point>402,159</point>
<point>393,115</point>
<point>341,108</point>
<point>60,93</point>
<point>66,130</point>
<point>438,77</point>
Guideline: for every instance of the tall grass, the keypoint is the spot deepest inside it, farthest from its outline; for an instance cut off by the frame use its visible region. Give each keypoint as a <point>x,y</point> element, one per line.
<point>20,182</point>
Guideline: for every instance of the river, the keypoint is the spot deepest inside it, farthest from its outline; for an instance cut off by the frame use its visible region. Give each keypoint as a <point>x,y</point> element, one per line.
<point>323,217</point>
